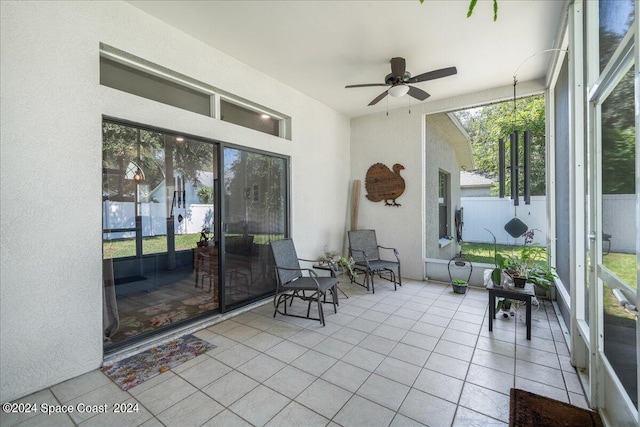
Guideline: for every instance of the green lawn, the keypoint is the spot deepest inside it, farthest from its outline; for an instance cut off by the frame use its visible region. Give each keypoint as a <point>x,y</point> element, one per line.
<point>158,244</point>
<point>624,265</point>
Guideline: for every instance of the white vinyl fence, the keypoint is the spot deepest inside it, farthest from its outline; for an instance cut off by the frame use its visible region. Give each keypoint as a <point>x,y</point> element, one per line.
<point>154,218</point>
<point>492,213</point>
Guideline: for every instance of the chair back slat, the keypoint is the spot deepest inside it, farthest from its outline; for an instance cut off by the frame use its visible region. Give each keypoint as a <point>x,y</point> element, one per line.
<point>284,255</point>
<point>363,240</point>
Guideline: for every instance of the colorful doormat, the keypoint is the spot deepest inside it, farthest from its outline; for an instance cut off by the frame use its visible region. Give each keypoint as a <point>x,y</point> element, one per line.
<point>527,409</point>
<point>136,369</point>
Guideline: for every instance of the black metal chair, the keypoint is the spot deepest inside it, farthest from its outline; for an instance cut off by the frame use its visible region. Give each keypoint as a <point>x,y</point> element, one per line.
<point>291,284</point>
<point>364,248</point>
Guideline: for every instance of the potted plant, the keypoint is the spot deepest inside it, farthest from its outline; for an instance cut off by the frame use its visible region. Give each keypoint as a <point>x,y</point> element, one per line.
<point>337,262</point>
<point>459,286</point>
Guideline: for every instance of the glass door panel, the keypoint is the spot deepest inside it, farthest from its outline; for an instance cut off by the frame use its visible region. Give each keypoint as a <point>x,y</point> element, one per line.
<point>617,260</point>
<point>161,260</point>
<point>255,195</point>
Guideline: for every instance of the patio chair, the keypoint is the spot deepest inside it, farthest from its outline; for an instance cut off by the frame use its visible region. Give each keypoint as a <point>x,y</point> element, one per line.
<point>364,248</point>
<point>291,284</point>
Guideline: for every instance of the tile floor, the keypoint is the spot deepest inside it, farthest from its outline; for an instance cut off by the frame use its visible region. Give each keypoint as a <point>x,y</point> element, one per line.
<point>419,356</point>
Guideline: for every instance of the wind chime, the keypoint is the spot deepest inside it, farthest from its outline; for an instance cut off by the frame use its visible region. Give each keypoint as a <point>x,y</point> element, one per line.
<point>515,227</point>
<point>179,197</point>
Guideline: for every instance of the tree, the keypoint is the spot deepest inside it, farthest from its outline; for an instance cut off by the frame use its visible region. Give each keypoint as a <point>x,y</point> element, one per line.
<point>487,125</point>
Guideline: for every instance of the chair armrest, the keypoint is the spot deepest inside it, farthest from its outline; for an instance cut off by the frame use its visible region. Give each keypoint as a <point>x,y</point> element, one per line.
<point>395,251</point>
<point>312,274</point>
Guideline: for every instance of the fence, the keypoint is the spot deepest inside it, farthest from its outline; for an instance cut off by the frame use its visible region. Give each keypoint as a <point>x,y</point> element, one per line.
<point>492,213</point>
<point>154,218</point>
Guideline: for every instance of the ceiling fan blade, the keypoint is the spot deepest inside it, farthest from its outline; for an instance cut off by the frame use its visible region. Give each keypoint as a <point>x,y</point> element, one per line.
<point>398,67</point>
<point>435,74</point>
<point>378,98</point>
<point>418,93</point>
<point>367,85</point>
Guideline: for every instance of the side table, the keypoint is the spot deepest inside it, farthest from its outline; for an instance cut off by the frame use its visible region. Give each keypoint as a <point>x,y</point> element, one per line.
<point>521,294</point>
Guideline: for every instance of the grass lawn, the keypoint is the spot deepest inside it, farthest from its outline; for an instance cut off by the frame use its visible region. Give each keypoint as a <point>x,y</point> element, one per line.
<point>624,265</point>
<point>158,244</point>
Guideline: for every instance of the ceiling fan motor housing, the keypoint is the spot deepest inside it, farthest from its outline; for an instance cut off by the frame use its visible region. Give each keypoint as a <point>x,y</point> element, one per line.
<point>390,79</point>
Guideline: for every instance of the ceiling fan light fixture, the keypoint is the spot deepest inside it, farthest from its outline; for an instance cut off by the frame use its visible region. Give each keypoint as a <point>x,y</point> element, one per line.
<point>398,90</point>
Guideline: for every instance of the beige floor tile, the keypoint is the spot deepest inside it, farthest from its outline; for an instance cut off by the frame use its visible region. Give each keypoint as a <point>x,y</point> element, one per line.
<point>410,354</point>
<point>165,394</point>
<point>194,411</point>
<point>468,418</point>
<point>401,421</point>
<point>259,405</point>
<point>439,385</point>
<point>130,413</point>
<point>452,349</point>
<point>485,401</point>
<point>227,418</point>
<point>324,398</point>
<point>345,375</point>
<point>261,367</point>
<point>78,386</point>
<point>363,358</point>
<point>383,391</point>
<point>230,388</point>
<point>447,365</point>
<point>314,362</point>
<point>427,409</point>
<point>205,373</point>
<point>492,379</point>
<point>287,351</point>
<point>542,389</point>
<point>362,412</point>
<point>262,341</point>
<point>333,347</point>
<point>295,414</point>
<point>398,370</point>
<point>290,381</point>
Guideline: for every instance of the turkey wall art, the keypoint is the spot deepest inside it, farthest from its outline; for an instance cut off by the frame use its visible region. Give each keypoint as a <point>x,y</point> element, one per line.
<point>382,183</point>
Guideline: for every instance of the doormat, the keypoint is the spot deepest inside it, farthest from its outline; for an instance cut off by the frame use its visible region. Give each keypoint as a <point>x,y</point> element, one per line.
<point>527,409</point>
<point>136,369</point>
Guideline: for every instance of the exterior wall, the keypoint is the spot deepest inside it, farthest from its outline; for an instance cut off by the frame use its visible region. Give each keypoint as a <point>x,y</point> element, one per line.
<point>475,191</point>
<point>396,138</point>
<point>52,107</point>
<point>440,156</point>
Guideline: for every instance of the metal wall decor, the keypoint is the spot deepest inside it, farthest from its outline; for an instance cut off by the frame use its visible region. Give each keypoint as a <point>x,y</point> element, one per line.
<point>385,184</point>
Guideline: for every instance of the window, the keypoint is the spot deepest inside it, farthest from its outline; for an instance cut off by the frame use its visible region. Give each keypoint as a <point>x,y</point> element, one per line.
<point>136,82</point>
<point>444,197</point>
<point>237,114</point>
<point>122,71</point>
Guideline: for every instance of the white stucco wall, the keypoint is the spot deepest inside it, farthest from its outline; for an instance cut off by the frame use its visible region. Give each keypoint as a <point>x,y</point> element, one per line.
<point>52,106</point>
<point>396,138</point>
<point>440,156</point>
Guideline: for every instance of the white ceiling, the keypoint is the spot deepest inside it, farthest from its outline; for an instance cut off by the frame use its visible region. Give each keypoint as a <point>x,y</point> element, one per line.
<point>318,47</point>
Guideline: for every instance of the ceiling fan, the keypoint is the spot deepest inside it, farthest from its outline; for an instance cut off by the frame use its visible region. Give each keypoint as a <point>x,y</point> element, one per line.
<point>400,78</point>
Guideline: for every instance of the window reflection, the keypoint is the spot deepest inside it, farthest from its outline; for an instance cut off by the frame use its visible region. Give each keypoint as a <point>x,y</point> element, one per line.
<point>615,17</point>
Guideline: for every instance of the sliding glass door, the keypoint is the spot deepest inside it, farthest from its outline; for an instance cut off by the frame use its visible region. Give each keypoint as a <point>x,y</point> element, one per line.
<point>255,208</point>
<point>180,241</point>
<point>160,255</point>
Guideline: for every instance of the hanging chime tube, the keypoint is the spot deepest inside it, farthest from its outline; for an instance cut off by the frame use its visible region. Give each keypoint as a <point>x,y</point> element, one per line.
<point>514,168</point>
<point>527,167</point>
<point>501,166</point>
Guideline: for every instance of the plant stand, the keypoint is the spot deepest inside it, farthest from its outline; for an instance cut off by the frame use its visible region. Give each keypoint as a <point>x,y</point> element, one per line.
<point>460,268</point>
